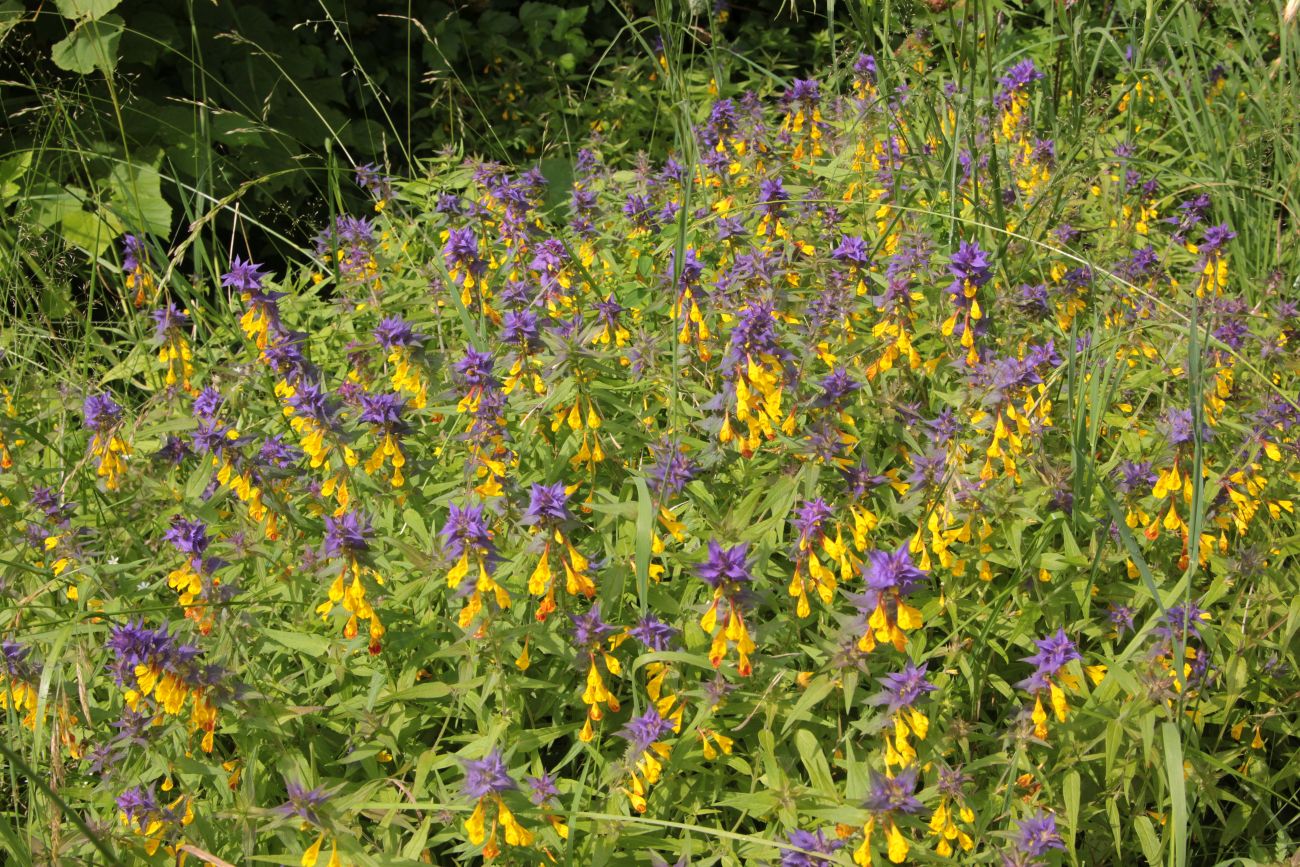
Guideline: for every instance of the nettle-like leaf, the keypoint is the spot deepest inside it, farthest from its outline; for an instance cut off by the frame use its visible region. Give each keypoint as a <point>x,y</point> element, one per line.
<point>11,13</point>
<point>77,214</point>
<point>81,10</point>
<point>11,173</point>
<point>90,46</point>
<point>137,198</point>
<point>128,199</point>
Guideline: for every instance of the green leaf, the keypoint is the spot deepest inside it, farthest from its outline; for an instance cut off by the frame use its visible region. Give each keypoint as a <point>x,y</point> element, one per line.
<point>559,181</point>
<point>771,767</point>
<point>131,366</point>
<point>85,9</point>
<point>757,803</point>
<point>644,540</point>
<point>312,645</point>
<point>92,45</point>
<point>360,754</point>
<point>416,523</point>
<point>72,210</point>
<point>814,762</point>
<point>137,198</point>
<point>1070,790</point>
<point>11,12</point>
<point>91,232</point>
<point>1146,832</point>
<point>849,689</point>
<point>423,691</point>
<point>818,689</point>
<point>1173,741</point>
<point>1114,734</point>
<point>51,202</point>
<point>1116,828</point>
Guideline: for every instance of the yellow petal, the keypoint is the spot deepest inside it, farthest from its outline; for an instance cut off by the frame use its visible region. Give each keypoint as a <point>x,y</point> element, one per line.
<point>862,854</point>
<point>710,619</point>
<point>909,618</point>
<point>516,834</point>
<point>1040,718</point>
<point>309,857</point>
<point>541,575</point>
<point>1059,704</point>
<point>897,844</point>
<point>474,825</point>
<point>459,571</point>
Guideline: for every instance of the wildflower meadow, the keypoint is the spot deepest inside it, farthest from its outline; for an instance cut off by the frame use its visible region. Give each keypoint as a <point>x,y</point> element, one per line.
<point>899,466</point>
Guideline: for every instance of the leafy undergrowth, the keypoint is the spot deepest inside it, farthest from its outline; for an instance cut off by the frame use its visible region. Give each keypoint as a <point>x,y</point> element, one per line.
<point>875,481</point>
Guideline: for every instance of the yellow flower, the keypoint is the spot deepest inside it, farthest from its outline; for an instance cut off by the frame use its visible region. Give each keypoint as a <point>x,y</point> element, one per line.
<point>313,852</point>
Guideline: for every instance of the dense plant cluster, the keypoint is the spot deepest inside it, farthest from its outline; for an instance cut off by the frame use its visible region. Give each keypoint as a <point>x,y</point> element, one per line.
<point>866,483</point>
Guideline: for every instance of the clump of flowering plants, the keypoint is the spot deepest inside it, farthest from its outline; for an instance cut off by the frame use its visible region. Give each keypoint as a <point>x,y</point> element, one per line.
<point>884,482</point>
